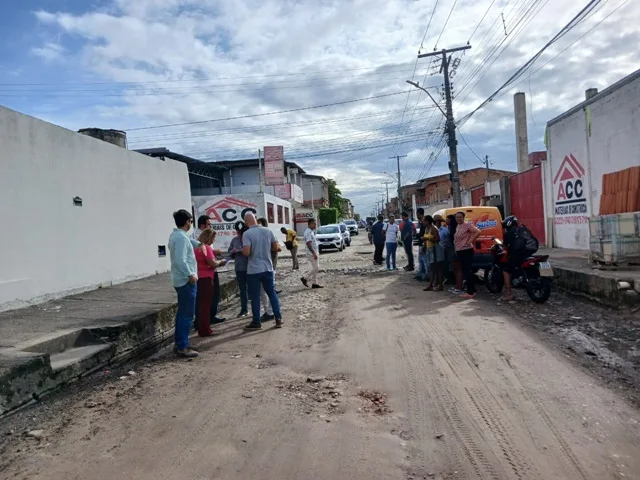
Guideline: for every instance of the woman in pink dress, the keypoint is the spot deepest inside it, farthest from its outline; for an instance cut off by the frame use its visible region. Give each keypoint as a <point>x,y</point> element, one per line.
<point>466,235</point>
<point>207,264</point>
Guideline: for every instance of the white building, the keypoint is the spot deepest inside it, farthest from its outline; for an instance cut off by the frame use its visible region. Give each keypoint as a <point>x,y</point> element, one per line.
<point>600,135</point>
<point>78,212</point>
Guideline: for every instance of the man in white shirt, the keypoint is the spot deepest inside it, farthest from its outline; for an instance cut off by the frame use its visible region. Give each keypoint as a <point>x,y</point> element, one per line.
<point>311,247</point>
<point>391,238</point>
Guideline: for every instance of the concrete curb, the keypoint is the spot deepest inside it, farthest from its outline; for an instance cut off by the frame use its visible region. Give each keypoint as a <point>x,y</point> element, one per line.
<point>26,375</point>
<point>600,288</point>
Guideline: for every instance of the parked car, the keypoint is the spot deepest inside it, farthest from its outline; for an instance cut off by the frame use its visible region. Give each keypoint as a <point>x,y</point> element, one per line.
<point>329,236</point>
<point>362,224</point>
<point>352,225</point>
<point>345,233</point>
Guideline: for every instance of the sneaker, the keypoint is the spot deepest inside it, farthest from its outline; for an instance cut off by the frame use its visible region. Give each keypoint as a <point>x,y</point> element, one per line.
<point>266,317</point>
<point>304,281</point>
<point>278,292</point>
<point>466,296</point>
<point>186,353</point>
<point>388,269</point>
<point>218,320</point>
<point>279,323</point>
<point>395,269</point>
<point>315,285</point>
<point>455,291</point>
<point>253,326</point>
<point>243,313</point>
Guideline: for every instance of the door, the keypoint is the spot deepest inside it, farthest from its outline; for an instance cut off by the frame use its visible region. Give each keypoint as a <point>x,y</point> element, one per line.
<point>525,191</point>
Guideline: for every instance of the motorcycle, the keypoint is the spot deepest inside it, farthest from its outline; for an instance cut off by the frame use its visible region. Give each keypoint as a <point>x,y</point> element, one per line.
<point>370,235</point>
<point>534,275</point>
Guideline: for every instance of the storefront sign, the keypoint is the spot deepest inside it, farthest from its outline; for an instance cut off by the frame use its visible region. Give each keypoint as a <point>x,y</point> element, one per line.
<point>274,165</point>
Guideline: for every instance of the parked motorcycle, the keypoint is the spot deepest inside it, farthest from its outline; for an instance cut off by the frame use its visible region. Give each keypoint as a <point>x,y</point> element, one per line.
<point>534,275</point>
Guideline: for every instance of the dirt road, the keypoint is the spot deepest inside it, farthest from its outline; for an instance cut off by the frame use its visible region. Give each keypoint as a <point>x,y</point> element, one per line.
<point>371,378</point>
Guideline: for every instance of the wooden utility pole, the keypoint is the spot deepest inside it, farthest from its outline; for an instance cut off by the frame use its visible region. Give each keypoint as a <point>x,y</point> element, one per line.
<point>451,125</point>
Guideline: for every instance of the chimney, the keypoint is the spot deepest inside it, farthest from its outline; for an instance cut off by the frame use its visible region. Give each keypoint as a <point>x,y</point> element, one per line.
<point>116,137</point>
<point>590,92</point>
<point>522,140</point>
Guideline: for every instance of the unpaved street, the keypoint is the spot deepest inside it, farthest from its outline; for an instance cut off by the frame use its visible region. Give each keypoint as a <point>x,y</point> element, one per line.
<point>371,378</point>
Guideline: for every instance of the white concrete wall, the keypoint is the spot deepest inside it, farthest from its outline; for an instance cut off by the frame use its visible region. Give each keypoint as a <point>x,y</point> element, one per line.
<point>599,137</point>
<point>49,247</point>
<point>492,188</point>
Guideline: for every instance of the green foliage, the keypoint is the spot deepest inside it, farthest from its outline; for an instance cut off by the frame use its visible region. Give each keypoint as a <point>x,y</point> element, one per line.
<point>328,216</point>
<point>335,196</point>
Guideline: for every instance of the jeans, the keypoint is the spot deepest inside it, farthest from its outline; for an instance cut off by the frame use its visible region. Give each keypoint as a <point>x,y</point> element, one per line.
<point>392,247</point>
<point>266,281</point>
<point>184,315</point>
<point>215,301</point>
<point>423,265</point>
<point>377,255</point>
<point>241,278</point>
<point>265,303</point>
<point>408,249</point>
<point>465,257</point>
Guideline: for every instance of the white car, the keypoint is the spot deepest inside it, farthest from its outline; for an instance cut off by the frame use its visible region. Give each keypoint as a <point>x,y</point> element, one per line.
<point>329,236</point>
<point>346,234</point>
<point>352,225</point>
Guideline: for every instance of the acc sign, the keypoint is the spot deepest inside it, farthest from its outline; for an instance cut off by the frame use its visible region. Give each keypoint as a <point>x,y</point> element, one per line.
<point>229,210</point>
<point>569,186</point>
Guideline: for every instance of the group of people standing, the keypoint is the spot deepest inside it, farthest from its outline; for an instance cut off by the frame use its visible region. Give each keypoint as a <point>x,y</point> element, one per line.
<point>445,249</point>
<point>254,251</point>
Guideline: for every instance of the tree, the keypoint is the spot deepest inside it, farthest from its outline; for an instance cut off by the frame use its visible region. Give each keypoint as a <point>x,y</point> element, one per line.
<point>335,196</point>
<point>328,216</point>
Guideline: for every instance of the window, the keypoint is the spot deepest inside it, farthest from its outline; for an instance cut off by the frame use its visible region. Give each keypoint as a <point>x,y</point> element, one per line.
<point>286,216</point>
<point>280,214</point>
<point>270,213</point>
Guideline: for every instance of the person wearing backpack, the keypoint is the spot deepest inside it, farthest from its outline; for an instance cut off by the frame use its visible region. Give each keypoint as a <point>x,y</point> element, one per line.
<point>520,244</point>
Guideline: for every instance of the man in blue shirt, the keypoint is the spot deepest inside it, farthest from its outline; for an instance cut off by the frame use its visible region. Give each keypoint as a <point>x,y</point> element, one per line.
<point>184,276</point>
<point>377,232</point>
<point>258,244</point>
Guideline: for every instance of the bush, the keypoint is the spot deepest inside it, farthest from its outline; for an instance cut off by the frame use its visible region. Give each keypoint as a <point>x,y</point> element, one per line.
<point>328,215</point>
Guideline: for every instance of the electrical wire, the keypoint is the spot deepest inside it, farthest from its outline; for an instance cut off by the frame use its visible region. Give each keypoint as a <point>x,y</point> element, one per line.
<point>277,112</point>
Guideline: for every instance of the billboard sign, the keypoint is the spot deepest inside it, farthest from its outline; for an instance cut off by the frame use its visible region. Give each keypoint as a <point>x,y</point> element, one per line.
<point>274,165</point>
<point>570,199</point>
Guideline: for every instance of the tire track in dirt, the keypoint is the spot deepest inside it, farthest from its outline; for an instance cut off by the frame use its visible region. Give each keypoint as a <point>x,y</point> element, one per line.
<point>571,461</point>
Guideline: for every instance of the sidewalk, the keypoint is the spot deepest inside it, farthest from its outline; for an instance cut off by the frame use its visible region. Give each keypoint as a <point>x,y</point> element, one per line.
<point>47,345</point>
<point>574,273</point>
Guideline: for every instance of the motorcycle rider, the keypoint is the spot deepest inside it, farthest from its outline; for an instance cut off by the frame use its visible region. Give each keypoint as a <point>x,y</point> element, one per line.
<point>516,252</point>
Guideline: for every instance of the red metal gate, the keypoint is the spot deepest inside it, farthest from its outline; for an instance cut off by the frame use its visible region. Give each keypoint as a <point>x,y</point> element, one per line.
<point>526,200</point>
<point>476,195</point>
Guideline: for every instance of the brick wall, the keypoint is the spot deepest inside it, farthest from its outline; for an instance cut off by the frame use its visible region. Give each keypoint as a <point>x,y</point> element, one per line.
<point>432,189</point>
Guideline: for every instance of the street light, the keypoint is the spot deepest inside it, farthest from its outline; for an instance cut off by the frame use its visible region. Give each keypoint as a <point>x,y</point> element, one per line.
<point>451,132</point>
<point>417,85</point>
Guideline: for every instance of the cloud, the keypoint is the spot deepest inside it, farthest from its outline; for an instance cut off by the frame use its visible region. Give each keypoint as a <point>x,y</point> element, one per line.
<point>195,60</point>
<point>49,52</point>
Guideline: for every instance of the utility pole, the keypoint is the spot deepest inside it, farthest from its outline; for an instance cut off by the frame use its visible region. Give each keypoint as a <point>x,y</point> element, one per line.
<point>398,157</point>
<point>451,126</point>
<point>260,170</point>
<point>386,184</point>
<point>486,165</point>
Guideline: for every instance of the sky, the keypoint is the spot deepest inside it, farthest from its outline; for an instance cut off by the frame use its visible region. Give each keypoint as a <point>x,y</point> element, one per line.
<point>218,80</point>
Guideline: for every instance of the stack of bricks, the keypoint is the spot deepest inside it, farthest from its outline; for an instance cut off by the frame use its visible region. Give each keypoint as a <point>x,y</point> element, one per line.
<point>620,192</point>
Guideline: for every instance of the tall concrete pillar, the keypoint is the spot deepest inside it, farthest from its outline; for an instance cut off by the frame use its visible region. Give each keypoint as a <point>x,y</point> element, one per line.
<point>522,139</point>
<point>590,92</point>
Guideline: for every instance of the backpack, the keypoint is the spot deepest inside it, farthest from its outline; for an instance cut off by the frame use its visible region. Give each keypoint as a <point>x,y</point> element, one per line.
<point>530,242</point>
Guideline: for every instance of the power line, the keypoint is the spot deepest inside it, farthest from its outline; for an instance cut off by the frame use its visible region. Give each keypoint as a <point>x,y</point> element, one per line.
<point>481,20</point>
<point>445,25</point>
<point>277,112</point>
<point>563,31</point>
<point>206,79</point>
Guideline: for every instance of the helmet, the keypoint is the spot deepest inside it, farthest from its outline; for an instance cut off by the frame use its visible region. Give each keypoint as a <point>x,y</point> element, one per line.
<point>510,221</point>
